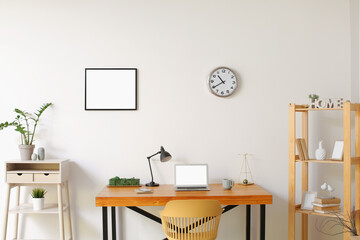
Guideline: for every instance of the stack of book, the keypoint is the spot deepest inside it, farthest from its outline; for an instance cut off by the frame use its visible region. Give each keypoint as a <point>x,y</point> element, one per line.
<point>326,205</point>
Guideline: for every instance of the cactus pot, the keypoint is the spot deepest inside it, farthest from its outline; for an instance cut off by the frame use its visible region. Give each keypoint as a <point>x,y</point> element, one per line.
<point>26,151</point>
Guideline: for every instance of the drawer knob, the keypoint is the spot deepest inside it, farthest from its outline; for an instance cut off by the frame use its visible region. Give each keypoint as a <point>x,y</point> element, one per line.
<point>46,174</point>
<point>19,174</point>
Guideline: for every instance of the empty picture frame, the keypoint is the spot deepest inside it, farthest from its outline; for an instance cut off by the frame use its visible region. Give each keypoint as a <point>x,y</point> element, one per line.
<point>110,88</point>
<point>338,150</point>
<point>307,199</point>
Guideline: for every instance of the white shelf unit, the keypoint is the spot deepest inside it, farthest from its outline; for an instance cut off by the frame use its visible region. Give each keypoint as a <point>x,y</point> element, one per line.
<point>33,173</point>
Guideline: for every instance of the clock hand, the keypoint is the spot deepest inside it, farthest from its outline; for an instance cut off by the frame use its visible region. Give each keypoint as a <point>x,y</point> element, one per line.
<point>221,79</point>
<point>217,85</point>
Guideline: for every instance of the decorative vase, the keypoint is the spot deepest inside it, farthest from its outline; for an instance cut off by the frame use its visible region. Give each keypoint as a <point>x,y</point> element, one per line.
<point>320,153</point>
<point>26,151</point>
<point>38,204</point>
<point>41,153</point>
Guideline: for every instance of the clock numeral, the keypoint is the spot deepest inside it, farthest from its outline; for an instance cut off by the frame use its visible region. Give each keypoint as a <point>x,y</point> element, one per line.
<point>217,72</point>
<point>233,82</point>
<point>232,87</point>
<point>212,81</point>
<point>223,71</point>
<point>222,93</point>
<point>217,90</point>
<point>228,72</point>
<point>227,91</point>
<point>232,76</point>
<point>214,76</point>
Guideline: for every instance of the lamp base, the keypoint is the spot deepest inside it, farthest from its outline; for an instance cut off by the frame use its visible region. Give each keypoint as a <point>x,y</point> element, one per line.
<point>152,184</point>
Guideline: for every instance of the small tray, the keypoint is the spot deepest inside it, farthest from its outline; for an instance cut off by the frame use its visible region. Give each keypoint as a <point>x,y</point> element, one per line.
<point>123,186</point>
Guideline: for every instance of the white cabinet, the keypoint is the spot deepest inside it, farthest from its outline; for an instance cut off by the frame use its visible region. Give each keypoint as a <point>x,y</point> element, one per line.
<point>34,173</point>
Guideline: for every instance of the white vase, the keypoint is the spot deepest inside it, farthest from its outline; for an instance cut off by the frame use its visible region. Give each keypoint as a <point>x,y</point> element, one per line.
<point>320,153</point>
<point>26,151</point>
<point>38,204</point>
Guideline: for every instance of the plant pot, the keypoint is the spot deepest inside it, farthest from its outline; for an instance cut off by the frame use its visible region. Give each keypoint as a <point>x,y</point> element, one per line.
<point>38,204</point>
<point>26,151</point>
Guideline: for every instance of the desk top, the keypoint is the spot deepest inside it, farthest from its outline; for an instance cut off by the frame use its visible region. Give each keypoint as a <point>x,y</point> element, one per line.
<point>126,196</point>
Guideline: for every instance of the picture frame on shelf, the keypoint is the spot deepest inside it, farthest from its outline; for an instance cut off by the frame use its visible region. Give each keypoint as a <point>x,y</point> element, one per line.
<point>110,89</point>
<point>338,151</point>
<point>307,199</point>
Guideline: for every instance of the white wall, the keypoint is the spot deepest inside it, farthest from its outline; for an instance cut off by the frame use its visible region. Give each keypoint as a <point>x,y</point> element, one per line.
<point>282,50</point>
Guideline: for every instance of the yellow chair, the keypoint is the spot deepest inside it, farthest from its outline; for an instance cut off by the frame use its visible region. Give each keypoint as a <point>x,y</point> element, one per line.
<point>191,219</point>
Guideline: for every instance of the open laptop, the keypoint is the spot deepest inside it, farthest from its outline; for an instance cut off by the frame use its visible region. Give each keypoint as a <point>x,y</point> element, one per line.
<point>191,177</point>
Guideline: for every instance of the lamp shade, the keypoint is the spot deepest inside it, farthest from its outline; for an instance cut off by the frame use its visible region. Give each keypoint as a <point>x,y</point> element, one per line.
<point>164,155</point>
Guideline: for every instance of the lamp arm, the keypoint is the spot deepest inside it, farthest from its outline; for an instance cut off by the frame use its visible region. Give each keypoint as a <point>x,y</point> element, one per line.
<point>152,177</point>
<point>154,154</point>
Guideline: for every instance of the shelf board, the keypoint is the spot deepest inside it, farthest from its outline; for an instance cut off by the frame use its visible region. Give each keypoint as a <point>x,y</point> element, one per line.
<point>310,212</point>
<point>302,109</point>
<point>354,160</point>
<point>33,171</point>
<point>50,208</point>
<point>322,161</point>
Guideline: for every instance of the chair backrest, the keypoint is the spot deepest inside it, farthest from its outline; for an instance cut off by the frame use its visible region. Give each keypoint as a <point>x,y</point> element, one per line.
<point>191,219</point>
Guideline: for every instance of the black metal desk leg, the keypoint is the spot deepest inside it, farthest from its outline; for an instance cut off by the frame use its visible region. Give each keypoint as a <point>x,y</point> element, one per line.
<point>105,223</point>
<point>248,221</point>
<point>113,223</point>
<point>262,222</point>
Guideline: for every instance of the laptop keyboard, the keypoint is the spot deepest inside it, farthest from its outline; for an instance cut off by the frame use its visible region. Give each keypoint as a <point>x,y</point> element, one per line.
<point>191,187</point>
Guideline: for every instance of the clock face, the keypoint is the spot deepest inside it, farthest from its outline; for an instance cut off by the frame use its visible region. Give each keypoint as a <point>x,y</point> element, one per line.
<point>222,82</point>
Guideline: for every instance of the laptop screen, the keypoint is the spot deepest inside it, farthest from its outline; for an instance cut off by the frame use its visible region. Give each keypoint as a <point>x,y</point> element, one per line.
<point>191,175</point>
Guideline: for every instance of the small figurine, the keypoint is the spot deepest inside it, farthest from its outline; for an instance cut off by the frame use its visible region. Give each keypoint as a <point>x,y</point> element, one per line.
<point>320,153</point>
<point>329,188</point>
<point>41,153</point>
<point>34,157</point>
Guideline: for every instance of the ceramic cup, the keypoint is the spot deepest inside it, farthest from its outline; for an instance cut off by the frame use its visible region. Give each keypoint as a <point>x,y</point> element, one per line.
<point>227,184</point>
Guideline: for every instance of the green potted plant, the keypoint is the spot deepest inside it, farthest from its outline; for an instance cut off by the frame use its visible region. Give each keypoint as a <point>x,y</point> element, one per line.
<point>38,195</point>
<point>25,123</point>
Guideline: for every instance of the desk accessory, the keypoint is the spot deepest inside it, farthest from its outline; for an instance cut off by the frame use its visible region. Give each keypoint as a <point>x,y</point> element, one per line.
<point>227,184</point>
<point>116,181</point>
<point>164,157</point>
<point>245,173</point>
<point>143,190</point>
<point>222,82</point>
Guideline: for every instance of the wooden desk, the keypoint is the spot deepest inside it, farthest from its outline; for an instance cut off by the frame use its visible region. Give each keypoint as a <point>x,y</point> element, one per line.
<point>126,197</point>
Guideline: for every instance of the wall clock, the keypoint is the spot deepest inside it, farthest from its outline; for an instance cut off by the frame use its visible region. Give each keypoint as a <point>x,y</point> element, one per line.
<point>222,82</point>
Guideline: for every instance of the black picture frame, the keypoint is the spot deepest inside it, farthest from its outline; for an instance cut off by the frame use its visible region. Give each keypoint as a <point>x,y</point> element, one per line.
<point>110,89</point>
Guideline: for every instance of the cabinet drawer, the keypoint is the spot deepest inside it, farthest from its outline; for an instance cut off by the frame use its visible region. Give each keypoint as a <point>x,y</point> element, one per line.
<point>19,178</point>
<point>47,178</point>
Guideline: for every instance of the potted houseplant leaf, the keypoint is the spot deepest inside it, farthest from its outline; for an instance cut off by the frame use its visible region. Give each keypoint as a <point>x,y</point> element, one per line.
<point>38,195</point>
<point>25,123</point>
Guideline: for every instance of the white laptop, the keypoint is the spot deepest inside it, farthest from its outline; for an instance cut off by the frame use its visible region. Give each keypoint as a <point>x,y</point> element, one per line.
<point>191,177</point>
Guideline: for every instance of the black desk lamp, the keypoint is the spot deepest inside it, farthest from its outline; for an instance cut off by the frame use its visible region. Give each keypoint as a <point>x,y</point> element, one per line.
<point>164,157</point>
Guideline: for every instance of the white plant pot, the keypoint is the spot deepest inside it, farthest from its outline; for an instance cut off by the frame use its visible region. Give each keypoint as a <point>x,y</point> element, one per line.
<point>26,151</point>
<point>38,204</point>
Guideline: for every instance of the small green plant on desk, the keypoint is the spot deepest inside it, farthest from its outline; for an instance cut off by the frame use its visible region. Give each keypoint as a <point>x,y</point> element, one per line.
<point>116,181</point>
